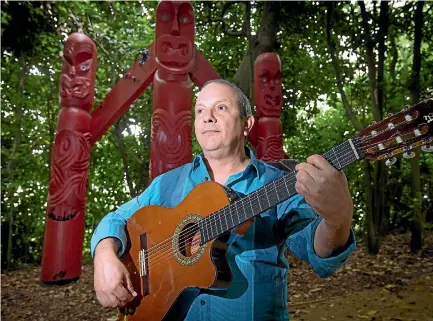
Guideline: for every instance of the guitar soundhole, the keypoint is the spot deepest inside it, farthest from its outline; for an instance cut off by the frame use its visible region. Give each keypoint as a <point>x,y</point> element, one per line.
<point>186,240</point>
<point>189,240</point>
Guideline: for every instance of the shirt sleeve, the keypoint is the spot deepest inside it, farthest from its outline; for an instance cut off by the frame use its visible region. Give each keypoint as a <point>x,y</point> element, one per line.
<point>301,223</point>
<point>113,224</point>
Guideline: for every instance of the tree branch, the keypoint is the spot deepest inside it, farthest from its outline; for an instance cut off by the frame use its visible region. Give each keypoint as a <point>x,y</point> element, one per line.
<point>337,72</point>
<point>371,63</point>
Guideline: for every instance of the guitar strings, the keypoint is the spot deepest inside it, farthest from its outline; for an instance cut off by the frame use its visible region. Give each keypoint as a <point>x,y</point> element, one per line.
<point>188,233</point>
<point>215,217</point>
<point>219,218</point>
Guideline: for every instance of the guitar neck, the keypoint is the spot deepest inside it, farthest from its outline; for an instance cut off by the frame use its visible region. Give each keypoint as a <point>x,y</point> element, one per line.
<point>271,194</point>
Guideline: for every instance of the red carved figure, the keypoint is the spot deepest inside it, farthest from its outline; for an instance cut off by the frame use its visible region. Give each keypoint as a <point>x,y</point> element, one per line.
<point>267,85</point>
<point>78,72</point>
<point>172,117</point>
<point>174,34</point>
<point>67,191</point>
<point>267,134</point>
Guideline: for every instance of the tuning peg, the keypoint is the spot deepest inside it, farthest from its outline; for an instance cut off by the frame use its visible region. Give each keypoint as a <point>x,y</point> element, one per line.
<point>408,117</point>
<point>427,148</point>
<point>390,161</point>
<point>408,155</point>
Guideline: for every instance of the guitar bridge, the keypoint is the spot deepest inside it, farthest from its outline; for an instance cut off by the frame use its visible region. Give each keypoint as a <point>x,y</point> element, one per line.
<point>142,261</point>
<point>144,265</point>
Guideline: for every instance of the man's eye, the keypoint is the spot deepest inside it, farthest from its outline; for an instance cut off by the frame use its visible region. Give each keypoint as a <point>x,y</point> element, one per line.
<point>199,111</point>
<point>221,107</point>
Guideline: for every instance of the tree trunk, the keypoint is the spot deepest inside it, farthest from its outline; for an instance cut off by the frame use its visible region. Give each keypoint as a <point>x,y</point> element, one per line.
<point>377,101</point>
<point>416,241</point>
<point>373,239</point>
<point>118,129</point>
<point>382,179</point>
<point>10,167</point>
<point>337,73</point>
<point>265,41</point>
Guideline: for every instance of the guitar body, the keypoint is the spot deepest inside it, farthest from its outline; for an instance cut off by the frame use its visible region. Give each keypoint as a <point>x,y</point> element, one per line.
<point>171,267</point>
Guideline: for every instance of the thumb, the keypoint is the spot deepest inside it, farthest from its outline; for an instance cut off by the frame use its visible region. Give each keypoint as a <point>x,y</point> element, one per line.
<point>129,285</point>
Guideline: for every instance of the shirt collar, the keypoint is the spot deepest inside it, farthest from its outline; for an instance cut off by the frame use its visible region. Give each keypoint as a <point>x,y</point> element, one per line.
<point>254,162</point>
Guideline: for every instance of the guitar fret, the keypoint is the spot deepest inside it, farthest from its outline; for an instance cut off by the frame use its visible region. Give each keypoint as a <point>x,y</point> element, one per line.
<point>223,219</point>
<point>258,201</point>
<point>276,191</point>
<point>252,209</point>
<point>337,158</point>
<point>266,193</point>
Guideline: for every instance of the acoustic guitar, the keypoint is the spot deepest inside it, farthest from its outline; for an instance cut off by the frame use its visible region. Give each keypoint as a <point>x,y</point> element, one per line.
<point>172,249</point>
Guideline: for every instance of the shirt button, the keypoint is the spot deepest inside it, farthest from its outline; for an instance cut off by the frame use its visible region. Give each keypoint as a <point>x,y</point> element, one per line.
<point>202,302</point>
<point>206,179</point>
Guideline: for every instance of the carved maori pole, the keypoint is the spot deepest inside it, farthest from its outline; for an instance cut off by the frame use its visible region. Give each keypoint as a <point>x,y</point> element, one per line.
<point>267,133</point>
<point>172,87</point>
<point>67,191</point>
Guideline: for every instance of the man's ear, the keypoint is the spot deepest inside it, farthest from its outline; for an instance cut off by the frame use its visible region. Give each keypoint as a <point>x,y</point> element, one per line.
<point>248,124</point>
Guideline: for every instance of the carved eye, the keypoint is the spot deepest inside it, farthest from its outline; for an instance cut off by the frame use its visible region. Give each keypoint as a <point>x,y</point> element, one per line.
<point>165,16</point>
<point>185,20</point>
<point>265,80</point>
<point>84,67</point>
<point>277,81</point>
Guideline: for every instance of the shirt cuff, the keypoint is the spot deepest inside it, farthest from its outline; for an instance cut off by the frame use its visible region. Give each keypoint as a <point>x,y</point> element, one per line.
<point>325,267</point>
<point>104,231</point>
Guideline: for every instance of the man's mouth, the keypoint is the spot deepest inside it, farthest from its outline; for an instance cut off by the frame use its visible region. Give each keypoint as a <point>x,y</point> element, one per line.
<point>210,131</point>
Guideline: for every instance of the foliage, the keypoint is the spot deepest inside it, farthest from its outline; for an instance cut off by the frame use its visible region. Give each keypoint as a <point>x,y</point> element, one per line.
<point>313,117</point>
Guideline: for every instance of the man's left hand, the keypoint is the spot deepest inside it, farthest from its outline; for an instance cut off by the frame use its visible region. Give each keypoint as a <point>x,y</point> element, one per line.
<point>326,190</point>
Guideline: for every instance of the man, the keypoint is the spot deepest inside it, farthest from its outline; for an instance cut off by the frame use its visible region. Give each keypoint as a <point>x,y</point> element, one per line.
<point>259,286</point>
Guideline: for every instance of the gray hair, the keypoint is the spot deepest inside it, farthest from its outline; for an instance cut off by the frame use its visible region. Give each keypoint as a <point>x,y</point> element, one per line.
<point>243,101</point>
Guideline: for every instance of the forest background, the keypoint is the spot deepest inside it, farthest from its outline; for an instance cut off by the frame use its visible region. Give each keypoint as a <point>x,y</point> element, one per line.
<point>344,65</point>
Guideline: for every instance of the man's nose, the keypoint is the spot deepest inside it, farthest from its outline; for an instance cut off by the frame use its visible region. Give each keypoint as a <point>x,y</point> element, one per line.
<point>175,27</point>
<point>209,118</point>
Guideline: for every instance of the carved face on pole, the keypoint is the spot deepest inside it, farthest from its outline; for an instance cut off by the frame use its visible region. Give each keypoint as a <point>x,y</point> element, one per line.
<point>175,36</point>
<point>267,82</point>
<point>78,72</point>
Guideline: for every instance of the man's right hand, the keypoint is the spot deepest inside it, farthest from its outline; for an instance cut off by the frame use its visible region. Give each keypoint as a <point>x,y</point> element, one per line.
<point>112,282</point>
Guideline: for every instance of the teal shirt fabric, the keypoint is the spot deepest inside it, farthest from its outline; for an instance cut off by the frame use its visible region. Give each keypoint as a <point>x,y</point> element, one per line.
<point>258,290</point>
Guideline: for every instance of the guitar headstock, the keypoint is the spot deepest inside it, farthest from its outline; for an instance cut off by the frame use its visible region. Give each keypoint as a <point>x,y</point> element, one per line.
<point>399,133</point>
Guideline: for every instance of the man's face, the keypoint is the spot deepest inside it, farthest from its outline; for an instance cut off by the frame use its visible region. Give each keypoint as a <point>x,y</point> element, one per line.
<point>218,119</point>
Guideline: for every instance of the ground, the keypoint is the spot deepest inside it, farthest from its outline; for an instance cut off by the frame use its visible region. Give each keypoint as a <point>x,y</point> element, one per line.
<point>394,285</point>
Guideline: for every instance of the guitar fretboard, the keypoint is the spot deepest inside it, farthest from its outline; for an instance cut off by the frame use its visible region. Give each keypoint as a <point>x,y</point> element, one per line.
<point>270,195</point>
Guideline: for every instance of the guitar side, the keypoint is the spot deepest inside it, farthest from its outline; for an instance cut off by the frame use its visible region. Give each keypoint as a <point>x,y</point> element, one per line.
<point>168,269</point>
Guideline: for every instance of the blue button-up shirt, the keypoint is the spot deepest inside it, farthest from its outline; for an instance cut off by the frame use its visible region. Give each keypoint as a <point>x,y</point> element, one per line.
<point>258,290</point>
